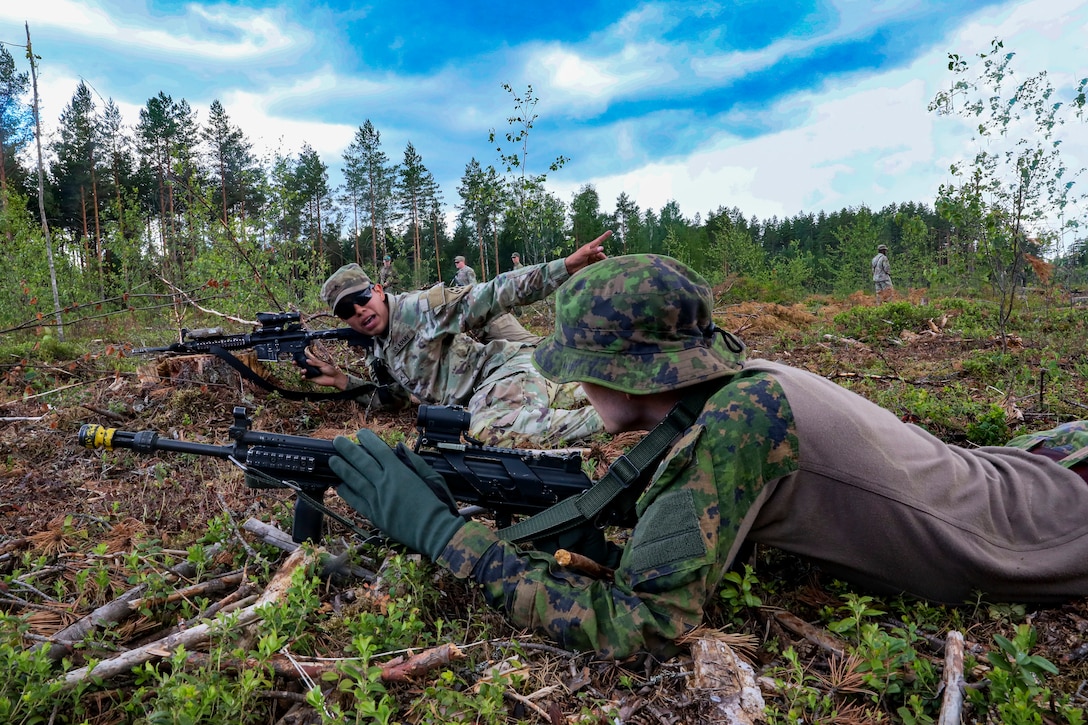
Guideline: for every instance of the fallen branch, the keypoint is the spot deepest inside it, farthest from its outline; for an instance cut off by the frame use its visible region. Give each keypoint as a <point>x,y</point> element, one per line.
<point>400,669</point>
<point>207,587</point>
<point>275,591</point>
<point>280,539</point>
<point>56,390</point>
<point>113,612</point>
<point>105,413</point>
<point>404,669</point>
<point>270,534</point>
<point>868,376</point>
<point>952,680</point>
<point>816,636</point>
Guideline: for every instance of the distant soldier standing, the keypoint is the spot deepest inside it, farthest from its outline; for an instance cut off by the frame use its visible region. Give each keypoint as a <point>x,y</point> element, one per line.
<point>466,275</point>
<point>882,272</point>
<point>515,259</point>
<point>503,327</point>
<point>386,275</point>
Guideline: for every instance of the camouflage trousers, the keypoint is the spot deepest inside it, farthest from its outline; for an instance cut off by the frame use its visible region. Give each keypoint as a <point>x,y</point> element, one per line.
<point>516,405</point>
<point>507,327</point>
<point>1067,444</point>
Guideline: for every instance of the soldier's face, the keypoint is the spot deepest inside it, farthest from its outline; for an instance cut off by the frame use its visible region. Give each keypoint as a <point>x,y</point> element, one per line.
<point>621,412</point>
<point>615,409</point>
<point>373,317</point>
<point>459,264</point>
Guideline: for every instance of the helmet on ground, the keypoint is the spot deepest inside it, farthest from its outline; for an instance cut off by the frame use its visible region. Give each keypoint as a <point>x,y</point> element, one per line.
<point>345,281</point>
<point>639,323</point>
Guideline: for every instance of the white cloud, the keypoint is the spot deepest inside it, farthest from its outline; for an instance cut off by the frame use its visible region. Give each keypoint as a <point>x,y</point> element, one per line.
<point>244,34</point>
<point>270,131</point>
<point>869,140</point>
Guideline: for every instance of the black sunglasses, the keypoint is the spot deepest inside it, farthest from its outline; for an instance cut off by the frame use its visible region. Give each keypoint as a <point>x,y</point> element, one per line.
<point>345,308</point>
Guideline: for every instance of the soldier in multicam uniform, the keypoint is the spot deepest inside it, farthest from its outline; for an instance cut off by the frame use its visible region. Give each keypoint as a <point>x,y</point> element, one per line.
<point>882,273</point>
<point>500,327</point>
<point>778,456</point>
<point>465,274</point>
<point>387,277</point>
<point>419,342</point>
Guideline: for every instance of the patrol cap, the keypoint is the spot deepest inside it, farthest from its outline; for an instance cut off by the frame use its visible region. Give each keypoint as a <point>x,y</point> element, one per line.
<point>458,258</point>
<point>638,323</point>
<point>345,281</point>
<point>515,255</point>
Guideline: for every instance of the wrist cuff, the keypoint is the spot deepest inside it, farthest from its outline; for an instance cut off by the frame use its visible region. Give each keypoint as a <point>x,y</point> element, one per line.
<point>466,548</point>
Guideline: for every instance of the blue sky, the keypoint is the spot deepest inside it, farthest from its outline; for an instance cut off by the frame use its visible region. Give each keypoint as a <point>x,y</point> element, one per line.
<point>777,108</point>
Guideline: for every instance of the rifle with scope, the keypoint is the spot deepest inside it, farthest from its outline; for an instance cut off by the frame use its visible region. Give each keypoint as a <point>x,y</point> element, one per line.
<point>278,334</point>
<point>506,481</point>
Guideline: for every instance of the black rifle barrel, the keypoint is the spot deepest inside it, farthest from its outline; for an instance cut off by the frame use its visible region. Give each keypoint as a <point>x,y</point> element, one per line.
<point>95,436</point>
<point>508,481</point>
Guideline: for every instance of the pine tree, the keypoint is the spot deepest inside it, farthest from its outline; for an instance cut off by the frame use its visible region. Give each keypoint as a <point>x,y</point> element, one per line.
<point>16,121</point>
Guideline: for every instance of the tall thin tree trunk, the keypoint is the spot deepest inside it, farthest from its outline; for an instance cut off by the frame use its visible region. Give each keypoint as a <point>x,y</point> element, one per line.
<point>97,235</point>
<point>437,257</point>
<point>41,188</point>
<point>4,187</point>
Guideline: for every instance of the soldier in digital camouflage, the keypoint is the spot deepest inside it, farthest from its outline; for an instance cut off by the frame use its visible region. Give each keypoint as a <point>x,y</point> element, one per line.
<point>778,456</point>
<point>420,349</point>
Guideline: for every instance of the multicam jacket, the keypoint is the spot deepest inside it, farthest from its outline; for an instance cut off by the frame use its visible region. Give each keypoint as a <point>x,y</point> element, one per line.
<point>827,475</point>
<point>425,349</point>
<point>465,276</point>
<point>882,270</point>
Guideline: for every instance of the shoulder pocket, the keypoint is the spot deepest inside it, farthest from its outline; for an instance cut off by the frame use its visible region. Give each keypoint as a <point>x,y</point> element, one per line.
<point>667,543</point>
<point>441,295</point>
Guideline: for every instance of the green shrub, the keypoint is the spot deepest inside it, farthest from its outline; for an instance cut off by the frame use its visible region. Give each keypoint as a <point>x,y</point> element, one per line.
<point>989,429</point>
<point>887,320</point>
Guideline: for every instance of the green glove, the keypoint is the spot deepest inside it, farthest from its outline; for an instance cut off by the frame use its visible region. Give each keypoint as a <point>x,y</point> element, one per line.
<point>395,498</point>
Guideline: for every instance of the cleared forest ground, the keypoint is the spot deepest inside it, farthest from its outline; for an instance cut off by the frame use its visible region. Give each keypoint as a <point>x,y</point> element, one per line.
<point>78,529</point>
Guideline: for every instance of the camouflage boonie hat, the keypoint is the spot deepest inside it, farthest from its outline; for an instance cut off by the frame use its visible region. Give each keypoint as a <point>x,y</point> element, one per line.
<point>345,281</point>
<point>639,323</point>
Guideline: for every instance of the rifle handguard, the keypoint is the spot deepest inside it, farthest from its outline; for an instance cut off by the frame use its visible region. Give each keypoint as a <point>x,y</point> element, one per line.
<point>507,481</point>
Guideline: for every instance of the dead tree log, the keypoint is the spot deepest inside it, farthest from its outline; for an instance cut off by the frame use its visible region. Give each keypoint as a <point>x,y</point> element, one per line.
<point>189,638</point>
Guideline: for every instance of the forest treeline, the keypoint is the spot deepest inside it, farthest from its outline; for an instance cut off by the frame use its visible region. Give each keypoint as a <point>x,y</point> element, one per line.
<point>182,204</point>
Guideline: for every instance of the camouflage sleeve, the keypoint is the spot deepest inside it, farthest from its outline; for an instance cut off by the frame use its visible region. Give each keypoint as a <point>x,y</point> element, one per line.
<point>690,519</point>
<point>506,291</point>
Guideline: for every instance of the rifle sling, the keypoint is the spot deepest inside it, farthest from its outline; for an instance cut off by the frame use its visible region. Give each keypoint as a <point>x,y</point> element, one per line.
<point>246,372</point>
<point>612,499</point>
